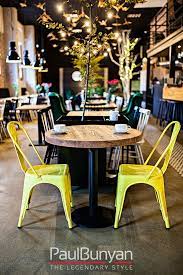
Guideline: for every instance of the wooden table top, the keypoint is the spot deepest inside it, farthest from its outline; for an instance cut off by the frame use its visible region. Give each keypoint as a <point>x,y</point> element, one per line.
<point>96,102</point>
<point>89,113</point>
<point>108,106</point>
<point>29,107</point>
<point>93,136</point>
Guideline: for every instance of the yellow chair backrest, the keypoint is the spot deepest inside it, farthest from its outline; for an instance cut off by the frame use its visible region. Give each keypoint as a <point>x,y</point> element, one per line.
<point>168,151</point>
<point>14,134</point>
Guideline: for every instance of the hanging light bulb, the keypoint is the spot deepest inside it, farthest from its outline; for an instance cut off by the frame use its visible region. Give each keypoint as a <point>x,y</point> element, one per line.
<point>68,18</point>
<point>110,14</point>
<point>87,23</point>
<point>105,54</point>
<point>60,8</point>
<point>13,56</point>
<point>63,34</point>
<point>66,48</point>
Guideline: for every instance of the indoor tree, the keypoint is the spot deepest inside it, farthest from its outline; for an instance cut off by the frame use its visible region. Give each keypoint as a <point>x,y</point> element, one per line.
<point>125,59</point>
<point>79,52</point>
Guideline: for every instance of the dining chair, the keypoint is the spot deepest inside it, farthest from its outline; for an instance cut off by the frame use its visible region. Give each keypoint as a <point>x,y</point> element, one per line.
<point>115,152</point>
<point>119,103</point>
<point>136,151</point>
<point>56,105</point>
<point>47,123</point>
<point>135,100</point>
<point>132,151</point>
<point>55,174</point>
<point>3,129</point>
<point>132,174</point>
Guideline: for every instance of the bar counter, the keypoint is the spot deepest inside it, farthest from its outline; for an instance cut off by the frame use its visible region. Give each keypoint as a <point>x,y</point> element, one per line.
<point>173,93</point>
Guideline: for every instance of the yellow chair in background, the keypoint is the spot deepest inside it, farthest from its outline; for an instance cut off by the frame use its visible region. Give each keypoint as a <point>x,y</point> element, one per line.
<point>131,174</point>
<point>55,174</point>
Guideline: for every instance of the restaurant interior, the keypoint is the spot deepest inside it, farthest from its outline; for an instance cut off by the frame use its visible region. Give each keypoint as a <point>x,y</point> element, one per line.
<point>91,141</point>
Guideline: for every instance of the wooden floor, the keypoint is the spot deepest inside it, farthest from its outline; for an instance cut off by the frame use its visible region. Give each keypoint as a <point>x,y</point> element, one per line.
<point>26,251</point>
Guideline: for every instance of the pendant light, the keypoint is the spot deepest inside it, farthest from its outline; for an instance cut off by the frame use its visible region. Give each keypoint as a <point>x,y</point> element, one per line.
<point>13,56</point>
<point>37,65</point>
<point>26,61</point>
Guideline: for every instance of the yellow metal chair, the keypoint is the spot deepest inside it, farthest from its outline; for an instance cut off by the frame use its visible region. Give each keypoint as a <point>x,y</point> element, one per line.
<point>55,174</point>
<point>131,174</point>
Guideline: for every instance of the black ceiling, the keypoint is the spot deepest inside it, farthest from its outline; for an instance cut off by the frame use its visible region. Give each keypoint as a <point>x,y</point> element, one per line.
<point>30,13</point>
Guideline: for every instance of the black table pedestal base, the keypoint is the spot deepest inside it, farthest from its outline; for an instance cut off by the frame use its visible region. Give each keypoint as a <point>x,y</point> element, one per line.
<point>104,217</point>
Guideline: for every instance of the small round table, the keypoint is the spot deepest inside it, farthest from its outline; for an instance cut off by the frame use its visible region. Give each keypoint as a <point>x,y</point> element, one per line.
<point>93,138</point>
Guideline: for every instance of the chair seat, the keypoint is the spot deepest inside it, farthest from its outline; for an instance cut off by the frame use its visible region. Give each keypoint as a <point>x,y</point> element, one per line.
<point>137,170</point>
<point>51,169</point>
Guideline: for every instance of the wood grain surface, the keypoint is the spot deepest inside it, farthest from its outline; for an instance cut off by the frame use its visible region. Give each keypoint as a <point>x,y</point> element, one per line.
<point>89,113</point>
<point>108,106</point>
<point>30,107</point>
<point>93,136</point>
<point>96,102</point>
<point>173,93</point>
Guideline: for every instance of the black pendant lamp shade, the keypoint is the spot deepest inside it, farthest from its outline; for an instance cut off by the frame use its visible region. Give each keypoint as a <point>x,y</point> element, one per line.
<point>26,61</point>
<point>13,56</point>
<point>37,65</point>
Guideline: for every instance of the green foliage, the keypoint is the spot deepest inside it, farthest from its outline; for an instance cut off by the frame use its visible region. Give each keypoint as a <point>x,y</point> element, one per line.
<point>79,52</point>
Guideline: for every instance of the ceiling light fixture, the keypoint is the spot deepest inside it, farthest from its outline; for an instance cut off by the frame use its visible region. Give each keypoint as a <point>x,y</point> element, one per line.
<point>26,61</point>
<point>13,56</point>
<point>60,8</point>
<point>37,65</point>
<point>110,14</point>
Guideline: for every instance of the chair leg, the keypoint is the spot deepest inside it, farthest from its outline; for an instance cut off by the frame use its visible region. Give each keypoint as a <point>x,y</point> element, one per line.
<point>25,200</point>
<point>120,197</point>
<point>127,154</point>
<point>164,208</point>
<point>140,154</point>
<point>114,158</point>
<point>49,153</point>
<point>70,190</point>
<point>118,158</point>
<point>122,154</point>
<point>162,199</point>
<point>30,196</point>
<point>110,157</point>
<point>65,195</point>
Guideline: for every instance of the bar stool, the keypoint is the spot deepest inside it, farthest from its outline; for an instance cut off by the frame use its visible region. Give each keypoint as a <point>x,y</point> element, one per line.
<point>162,111</point>
<point>170,111</point>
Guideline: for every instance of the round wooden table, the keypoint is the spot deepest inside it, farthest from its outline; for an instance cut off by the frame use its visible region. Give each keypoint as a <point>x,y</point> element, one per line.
<point>93,138</point>
<point>96,102</point>
<point>100,107</point>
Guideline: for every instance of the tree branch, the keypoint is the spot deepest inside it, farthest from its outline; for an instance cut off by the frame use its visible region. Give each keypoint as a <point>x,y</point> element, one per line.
<point>113,60</point>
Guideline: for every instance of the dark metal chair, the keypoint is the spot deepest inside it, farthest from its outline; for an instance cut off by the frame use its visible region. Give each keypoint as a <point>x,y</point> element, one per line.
<point>47,123</point>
